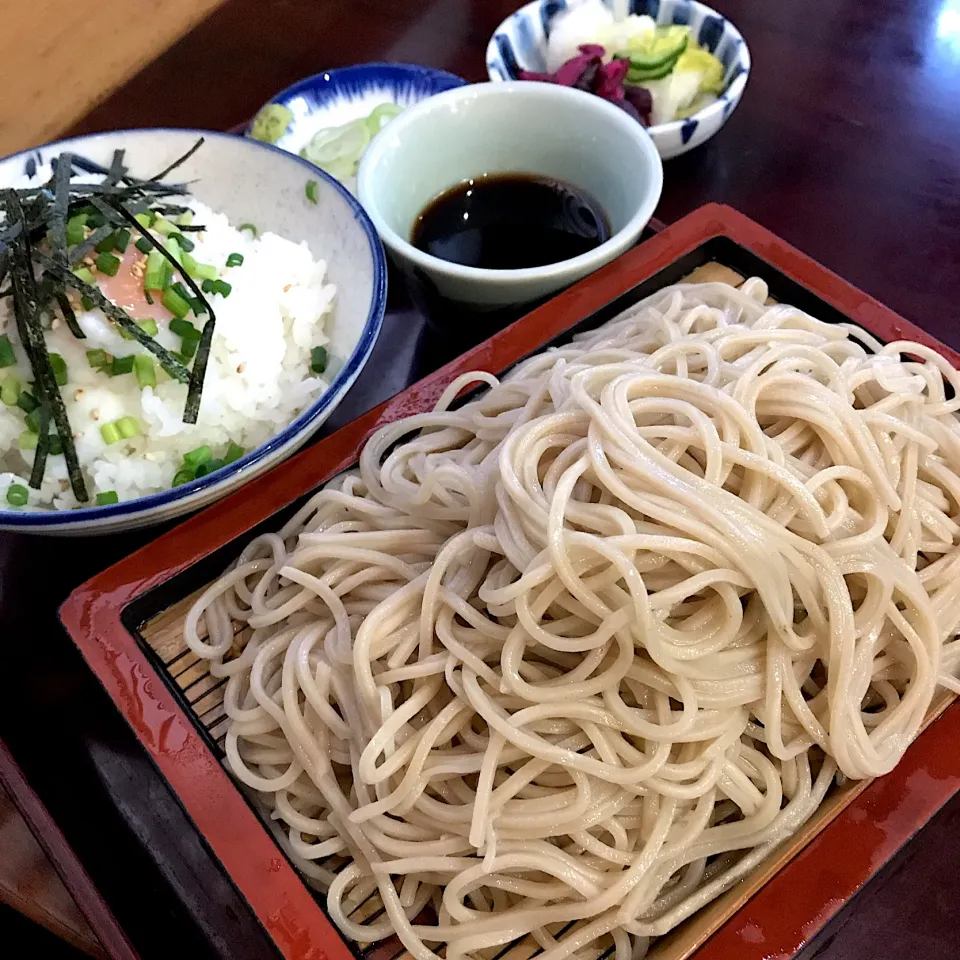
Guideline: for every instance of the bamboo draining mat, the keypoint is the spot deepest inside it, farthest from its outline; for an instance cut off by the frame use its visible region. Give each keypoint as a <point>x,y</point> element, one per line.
<point>204,696</point>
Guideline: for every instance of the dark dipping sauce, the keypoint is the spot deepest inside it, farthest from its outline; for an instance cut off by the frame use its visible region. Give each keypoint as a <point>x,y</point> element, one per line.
<point>509,222</point>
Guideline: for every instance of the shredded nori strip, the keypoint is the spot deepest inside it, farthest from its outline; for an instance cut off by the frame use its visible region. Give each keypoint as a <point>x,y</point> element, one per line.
<point>43,447</point>
<point>192,408</point>
<point>176,163</point>
<point>120,316</point>
<point>69,317</point>
<point>26,310</point>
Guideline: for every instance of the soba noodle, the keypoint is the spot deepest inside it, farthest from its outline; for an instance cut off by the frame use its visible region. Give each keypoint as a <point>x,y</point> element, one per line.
<point>571,659</point>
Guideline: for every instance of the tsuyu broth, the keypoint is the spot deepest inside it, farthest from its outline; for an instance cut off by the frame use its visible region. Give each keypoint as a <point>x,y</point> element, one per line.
<point>509,222</point>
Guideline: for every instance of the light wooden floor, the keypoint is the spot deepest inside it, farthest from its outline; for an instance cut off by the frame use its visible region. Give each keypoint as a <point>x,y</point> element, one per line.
<point>58,57</point>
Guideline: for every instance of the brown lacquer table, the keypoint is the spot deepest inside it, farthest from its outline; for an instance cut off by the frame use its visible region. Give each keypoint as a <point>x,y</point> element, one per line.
<point>847,144</point>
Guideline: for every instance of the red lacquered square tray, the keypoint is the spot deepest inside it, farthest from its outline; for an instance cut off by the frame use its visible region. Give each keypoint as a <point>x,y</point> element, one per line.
<point>125,623</point>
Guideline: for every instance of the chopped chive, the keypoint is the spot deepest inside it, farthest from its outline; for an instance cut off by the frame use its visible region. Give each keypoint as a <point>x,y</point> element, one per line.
<point>121,365</point>
<point>311,191</point>
<point>143,245</point>
<point>235,260</point>
<point>86,275</point>
<point>176,304</point>
<point>110,433</point>
<point>121,239</point>
<point>10,392</point>
<point>17,495</point>
<point>145,371</point>
<point>32,420</point>
<point>234,453</point>
<point>106,244</point>
<point>87,303</point>
<point>318,359</point>
<point>251,227</point>
<point>153,278</point>
<point>204,468</point>
<point>27,440</point>
<point>55,445</point>
<point>195,457</point>
<point>181,477</point>
<point>27,402</point>
<point>182,328</point>
<point>128,427</point>
<point>75,232</point>
<point>145,219</point>
<point>107,497</point>
<point>98,359</point>
<point>7,357</point>
<point>109,264</point>
<point>59,366</point>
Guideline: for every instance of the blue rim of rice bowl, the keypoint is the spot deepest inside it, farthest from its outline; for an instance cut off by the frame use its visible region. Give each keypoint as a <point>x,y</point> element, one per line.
<point>343,380</point>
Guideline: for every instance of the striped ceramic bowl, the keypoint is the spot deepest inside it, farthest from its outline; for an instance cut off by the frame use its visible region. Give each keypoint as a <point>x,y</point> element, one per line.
<point>520,43</point>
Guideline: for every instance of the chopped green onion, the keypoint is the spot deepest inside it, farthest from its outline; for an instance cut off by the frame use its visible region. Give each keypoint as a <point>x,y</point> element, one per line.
<point>75,231</point>
<point>145,219</point>
<point>121,365</point>
<point>186,244</point>
<point>110,433</point>
<point>234,453</point>
<point>176,304</point>
<point>207,286</point>
<point>59,366</point>
<point>121,239</point>
<point>27,402</point>
<point>188,347</point>
<point>144,369</point>
<point>235,260</point>
<point>87,303</point>
<point>27,440</point>
<point>95,220</point>
<point>10,392</point>
<point>208,467</point>
<point>182,328</point>
<point>248,226</point>
<point>148,326</point>
<point>185,218</point>
<point>17,495</point>
<point>54,445</point>
<point>107,497</point>
<point>199,271</point>
<point>106,244</point>
<point>143,245</point>
<point>32,420</point>
<point>109,264</point>
<point>222,287</point>
<point>128,427</point>
<point>98,359</point>
<point>181,477</point>
<point>7,357</point>
<point>156,269</point>
<point>311,191</point>
<point>195,457</point>
<point>180,290</point>
<point>318,359</point>
<point>164,227</point>
<point>86,275</point>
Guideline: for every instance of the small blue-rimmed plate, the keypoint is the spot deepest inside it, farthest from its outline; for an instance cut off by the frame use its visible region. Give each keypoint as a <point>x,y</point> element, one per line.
<point>256,183</point>
<point>336,97</point>
<point>520,43</point>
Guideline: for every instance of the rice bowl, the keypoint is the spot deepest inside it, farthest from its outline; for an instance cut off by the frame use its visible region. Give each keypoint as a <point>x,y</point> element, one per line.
<point>313,278</point>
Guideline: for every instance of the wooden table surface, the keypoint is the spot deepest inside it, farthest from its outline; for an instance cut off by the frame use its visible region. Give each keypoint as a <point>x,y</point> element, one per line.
<point>847,144</point>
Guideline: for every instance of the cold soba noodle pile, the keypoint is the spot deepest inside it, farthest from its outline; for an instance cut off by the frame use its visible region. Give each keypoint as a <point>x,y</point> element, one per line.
<point>589,646</point>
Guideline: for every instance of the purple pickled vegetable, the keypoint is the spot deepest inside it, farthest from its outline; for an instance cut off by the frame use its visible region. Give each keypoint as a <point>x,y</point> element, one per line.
<point>610,80</point>
<point>642,101</point>
<point>588,72</point>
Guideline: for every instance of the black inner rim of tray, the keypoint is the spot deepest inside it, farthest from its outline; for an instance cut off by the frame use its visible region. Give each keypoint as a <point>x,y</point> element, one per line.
<point>721,250</point>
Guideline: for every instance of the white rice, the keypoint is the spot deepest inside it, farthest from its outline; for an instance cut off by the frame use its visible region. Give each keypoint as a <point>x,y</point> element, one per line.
<point>258,378</point>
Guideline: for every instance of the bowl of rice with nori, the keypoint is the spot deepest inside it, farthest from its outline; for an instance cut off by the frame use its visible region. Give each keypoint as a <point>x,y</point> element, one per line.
<point>179,311</point>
